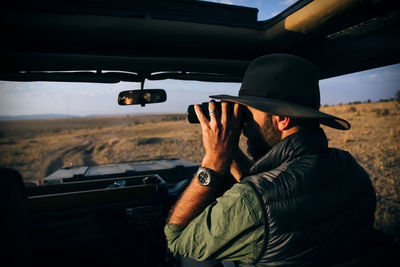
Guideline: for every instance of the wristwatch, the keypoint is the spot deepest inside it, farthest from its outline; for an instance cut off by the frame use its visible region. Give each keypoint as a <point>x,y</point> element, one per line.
<point>208,177</point>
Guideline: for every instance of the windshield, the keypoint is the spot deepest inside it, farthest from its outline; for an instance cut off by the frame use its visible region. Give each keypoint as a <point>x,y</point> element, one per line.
<point>46,126</point>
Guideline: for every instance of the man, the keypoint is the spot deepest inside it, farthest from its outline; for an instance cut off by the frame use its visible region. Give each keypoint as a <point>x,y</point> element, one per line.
<point>300,202</point>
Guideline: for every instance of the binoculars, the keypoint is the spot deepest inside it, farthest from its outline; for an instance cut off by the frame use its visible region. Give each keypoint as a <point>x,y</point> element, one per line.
<point>191,114</point>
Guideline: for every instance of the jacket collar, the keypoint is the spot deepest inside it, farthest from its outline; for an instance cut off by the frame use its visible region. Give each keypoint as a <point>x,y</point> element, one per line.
<point>291,147</point>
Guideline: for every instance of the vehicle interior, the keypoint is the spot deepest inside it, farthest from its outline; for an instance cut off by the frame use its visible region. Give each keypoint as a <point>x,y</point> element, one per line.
<point>116,218</point>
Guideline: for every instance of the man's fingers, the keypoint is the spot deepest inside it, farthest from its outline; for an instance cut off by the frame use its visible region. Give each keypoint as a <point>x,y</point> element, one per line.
<point>237,112</point>
<point>213,112</point>
<point>202,118</point>
<point>225,111</point>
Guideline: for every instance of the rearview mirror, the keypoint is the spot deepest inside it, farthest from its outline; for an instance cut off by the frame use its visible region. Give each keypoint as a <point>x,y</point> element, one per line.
<point>142,97</point>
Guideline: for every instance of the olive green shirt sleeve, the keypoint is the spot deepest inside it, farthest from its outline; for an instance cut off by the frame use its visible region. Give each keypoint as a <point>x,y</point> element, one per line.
<point>229,229</point>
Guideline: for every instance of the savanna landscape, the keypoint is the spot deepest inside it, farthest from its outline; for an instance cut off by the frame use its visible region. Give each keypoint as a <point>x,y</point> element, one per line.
<point>37,148</point>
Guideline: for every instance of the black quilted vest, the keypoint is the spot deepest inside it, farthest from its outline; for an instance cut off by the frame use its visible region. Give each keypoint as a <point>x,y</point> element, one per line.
<point>318,202</point>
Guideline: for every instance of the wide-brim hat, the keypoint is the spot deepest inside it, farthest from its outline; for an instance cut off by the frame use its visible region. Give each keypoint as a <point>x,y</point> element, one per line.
<point>284,85</point>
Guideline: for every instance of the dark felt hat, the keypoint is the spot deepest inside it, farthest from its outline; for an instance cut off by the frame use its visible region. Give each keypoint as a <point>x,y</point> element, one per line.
<point>284,85</point>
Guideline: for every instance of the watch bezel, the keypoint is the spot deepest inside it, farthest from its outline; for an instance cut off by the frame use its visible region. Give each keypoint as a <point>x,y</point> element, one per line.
<point>204,177</point>
<point>213,176</point>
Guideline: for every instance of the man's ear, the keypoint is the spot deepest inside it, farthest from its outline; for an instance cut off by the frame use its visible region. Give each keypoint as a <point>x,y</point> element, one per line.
<point>282,123</point>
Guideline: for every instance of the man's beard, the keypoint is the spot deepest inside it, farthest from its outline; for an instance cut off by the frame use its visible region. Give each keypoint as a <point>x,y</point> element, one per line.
<point>263,139</point>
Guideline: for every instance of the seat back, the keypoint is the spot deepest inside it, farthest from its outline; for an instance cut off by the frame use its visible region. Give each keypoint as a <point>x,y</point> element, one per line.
<point>14,225</point>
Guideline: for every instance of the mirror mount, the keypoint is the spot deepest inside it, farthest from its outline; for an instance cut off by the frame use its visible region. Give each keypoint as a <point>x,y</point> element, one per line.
<point>141,99</point>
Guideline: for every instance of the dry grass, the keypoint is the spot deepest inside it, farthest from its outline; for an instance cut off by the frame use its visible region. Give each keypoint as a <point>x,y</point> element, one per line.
<point>374,140</point>
<point>38,147</point>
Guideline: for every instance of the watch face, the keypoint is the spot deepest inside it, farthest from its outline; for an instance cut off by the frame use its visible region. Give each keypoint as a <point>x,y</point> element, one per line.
<point>204,177</point>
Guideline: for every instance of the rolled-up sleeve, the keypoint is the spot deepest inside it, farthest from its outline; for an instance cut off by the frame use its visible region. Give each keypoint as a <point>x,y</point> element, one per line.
<point>229,229</point>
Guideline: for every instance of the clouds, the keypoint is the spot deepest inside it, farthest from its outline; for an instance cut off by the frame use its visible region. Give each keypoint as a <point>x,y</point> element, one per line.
<point>375,84</point>
<point>23,98</point>
<point>229,2</point>
<point>28,98</point>
<point>287,2</point>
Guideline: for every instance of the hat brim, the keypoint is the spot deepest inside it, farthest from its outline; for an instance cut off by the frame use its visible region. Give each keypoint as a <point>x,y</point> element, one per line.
<point>285,108</point>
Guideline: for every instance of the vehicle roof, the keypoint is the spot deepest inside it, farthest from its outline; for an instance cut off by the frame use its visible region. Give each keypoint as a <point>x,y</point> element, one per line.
<point>124,40</point>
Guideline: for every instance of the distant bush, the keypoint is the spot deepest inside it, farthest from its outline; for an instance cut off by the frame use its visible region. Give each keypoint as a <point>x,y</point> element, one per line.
<point>381,112</point>
<point>385,112</point>
<point>398,96</point>
<point>352,109</point>
<point>17,153</point>
<point>149,140</point>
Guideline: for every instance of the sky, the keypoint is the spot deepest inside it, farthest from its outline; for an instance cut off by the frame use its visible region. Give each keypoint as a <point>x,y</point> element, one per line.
<point>84,99</point>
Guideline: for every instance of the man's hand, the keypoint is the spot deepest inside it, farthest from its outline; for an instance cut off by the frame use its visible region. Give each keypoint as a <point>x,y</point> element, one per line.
<point>241,165</point>
<point>220,135</point>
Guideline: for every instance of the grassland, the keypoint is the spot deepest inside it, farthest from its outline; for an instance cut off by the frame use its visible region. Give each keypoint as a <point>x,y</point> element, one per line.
<point>39,147</point>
